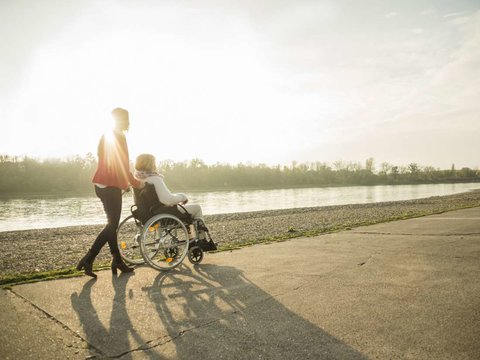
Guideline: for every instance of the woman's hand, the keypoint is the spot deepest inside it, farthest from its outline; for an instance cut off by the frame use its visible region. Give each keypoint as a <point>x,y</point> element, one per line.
<point>184,202</point>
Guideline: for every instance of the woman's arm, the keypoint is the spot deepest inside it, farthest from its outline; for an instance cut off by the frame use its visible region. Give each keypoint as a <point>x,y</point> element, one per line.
<point>134,182</point>
<point>164,194</point>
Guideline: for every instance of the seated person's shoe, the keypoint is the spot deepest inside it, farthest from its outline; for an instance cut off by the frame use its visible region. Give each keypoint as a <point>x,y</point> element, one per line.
<point>207,245</point>
<point>201,226</point>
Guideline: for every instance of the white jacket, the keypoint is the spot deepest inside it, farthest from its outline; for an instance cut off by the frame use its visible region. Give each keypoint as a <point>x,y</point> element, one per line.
<point>163,193</point>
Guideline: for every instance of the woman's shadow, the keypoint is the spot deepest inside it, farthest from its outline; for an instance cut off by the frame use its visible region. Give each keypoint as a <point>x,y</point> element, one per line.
<point>224,315</point>
<point>114,340</point>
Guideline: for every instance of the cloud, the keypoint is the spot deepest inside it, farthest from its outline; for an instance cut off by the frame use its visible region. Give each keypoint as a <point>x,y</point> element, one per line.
<point>456,18</point>
<point>458,78</point>
<point>423,108</point>
<point>454,14</point>
<point>459,20</point>
<point>391,15</point>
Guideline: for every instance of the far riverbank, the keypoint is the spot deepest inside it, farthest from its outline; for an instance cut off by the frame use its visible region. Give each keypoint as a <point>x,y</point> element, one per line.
<point>90,191</point>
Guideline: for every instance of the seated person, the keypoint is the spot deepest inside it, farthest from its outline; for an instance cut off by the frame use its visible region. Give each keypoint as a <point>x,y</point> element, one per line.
<point>146,172</point>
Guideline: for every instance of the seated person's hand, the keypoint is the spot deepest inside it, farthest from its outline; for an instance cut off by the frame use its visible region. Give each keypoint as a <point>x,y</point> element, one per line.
<point>185,202</point>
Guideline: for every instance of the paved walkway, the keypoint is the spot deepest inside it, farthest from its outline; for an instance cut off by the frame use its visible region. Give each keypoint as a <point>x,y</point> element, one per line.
<point>408,289</point>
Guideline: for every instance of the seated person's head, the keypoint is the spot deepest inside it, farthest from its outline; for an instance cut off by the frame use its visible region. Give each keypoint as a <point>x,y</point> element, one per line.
<point>145,162</point>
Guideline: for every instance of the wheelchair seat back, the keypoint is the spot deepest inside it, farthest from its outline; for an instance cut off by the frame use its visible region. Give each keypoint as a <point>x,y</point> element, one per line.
<point>146,197</point>
<point>148,204</point>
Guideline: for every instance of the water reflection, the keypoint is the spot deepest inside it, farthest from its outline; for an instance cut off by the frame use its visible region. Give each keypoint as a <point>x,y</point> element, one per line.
<point>35,213</point>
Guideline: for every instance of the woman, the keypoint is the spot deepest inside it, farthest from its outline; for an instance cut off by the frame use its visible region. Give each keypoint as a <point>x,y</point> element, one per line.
<point>112,176</point>
<point>146,172</point>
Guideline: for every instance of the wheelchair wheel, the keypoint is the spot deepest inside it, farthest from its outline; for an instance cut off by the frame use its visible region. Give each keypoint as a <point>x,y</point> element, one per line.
<point>164,242</point>
<point>195,255</point>
<point>128,234</point>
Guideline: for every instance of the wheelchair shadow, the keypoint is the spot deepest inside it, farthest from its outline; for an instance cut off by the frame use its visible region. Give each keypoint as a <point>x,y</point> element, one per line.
<point>120,326</point>
<point>214,311</point>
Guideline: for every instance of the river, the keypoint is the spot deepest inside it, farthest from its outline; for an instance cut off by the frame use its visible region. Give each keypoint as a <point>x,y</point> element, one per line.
<point>48,212</point>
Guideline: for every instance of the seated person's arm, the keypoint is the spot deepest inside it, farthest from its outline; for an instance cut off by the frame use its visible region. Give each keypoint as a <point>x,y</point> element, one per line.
<point>164,194</point>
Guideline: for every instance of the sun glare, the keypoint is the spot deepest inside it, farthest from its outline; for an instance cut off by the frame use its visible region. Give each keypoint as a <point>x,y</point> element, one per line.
<point>109,137</point>
<point>217,93</point>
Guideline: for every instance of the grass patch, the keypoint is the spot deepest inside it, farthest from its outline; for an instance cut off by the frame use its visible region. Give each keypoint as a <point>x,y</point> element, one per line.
<point>8,281</point>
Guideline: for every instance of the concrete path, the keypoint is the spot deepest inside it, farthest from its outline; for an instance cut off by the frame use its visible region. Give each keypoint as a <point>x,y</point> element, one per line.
<point>402,290</point>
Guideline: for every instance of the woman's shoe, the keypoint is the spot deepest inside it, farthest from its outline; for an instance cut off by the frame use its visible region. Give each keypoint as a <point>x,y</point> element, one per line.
<point>117,263</point>
<point>87,264</point>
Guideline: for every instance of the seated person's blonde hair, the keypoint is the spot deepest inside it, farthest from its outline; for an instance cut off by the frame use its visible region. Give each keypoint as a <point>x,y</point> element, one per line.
<point>145,162</point>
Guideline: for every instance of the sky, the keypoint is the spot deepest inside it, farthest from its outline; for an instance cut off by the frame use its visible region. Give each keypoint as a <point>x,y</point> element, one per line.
<point>258,81</point>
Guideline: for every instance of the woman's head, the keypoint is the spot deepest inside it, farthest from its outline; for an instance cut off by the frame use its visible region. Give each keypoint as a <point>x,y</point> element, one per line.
<point>122,121</point>
<point>145,162</point>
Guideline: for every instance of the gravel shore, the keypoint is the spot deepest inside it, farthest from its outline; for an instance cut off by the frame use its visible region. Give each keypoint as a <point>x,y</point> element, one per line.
<point>58,248</point>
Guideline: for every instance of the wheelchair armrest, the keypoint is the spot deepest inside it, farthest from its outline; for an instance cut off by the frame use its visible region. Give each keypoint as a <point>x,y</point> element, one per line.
<point>172,210</point>
<point>188,216</point>
<point>156,206</point>
<point>186,212</point>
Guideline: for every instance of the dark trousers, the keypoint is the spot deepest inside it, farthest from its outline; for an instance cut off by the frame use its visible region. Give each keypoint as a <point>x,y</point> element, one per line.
<point>112,203</point>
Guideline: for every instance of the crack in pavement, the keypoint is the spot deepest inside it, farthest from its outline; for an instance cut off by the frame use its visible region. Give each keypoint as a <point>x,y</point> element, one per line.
<point>57,321</point>
<point>366,261</point>
<point>100,352</point>
<point>170,338</point>
<point>216,320</point>
<point>142,347</point>
<point>407,253</point>
<point>410,234</point>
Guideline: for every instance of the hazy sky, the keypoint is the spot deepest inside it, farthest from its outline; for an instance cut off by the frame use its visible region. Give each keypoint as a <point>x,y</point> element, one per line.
<point>237,81</point>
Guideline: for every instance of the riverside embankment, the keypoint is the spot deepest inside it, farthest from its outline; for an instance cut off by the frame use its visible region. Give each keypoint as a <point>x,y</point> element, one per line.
<point>43,250</point>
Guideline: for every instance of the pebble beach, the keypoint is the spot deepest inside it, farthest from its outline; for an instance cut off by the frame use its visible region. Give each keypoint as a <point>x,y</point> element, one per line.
<point>41,250</point>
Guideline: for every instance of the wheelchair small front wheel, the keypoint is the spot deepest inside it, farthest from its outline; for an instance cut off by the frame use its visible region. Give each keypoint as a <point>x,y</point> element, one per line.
<point>195,255</point>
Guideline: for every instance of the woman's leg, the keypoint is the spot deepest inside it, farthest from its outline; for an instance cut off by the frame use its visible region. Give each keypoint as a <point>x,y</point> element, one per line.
<point>112,203</point>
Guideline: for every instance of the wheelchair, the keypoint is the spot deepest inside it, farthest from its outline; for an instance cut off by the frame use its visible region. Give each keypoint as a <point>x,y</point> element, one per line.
<point>161,236</point>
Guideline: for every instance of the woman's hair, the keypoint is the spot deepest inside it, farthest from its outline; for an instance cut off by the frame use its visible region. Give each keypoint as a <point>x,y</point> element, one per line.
<point>145,162</point>
<point>120,114</point>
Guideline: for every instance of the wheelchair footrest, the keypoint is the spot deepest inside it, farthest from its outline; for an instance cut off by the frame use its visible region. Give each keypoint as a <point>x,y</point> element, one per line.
<point>207,245</point>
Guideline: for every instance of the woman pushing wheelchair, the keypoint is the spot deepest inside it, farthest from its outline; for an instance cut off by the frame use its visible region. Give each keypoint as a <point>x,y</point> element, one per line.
<point>113,176</point>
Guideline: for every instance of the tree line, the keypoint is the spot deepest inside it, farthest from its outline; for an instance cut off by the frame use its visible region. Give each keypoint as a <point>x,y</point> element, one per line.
<point>25,175</point>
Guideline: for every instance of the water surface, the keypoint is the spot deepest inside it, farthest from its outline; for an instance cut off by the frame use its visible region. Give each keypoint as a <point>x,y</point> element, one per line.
<point>46,212</point>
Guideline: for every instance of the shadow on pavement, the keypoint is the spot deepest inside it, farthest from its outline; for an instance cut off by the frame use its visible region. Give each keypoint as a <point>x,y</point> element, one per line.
<point>120,324</point>
<point>206,312</point>
<point>230,317</point>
